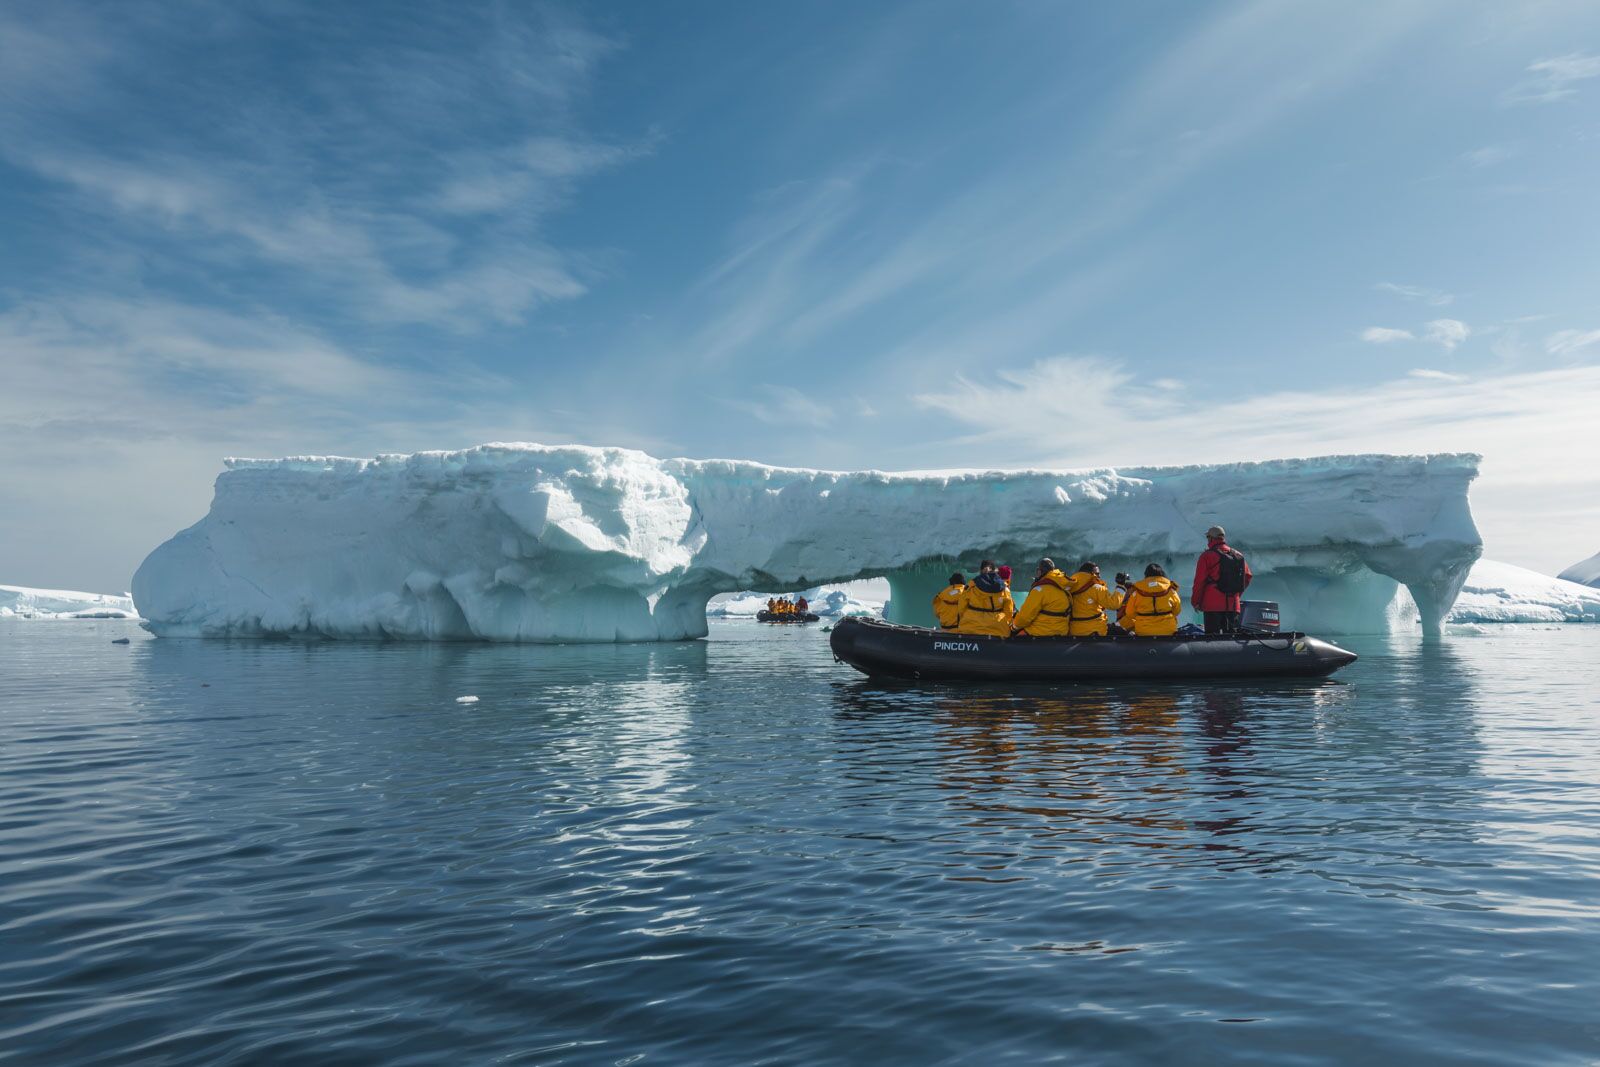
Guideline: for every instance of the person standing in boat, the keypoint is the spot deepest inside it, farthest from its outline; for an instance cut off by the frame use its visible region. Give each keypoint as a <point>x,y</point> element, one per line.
<point>801,606</point>
<point>1221,575</point>
<point>1047,610</point>
<point>986,604</point>
<point>947,602</point>
<point>1151,605</point>
<point>1091,600</point>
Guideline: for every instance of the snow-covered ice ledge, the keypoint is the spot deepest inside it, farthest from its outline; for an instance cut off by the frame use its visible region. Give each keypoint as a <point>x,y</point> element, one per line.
<point>517,542</point>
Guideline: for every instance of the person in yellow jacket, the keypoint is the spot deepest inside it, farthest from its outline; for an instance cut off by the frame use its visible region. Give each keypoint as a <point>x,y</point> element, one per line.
<point>947,602</point>
<point>986,605</point>
<point>1153,604</point>
<point>1090,601</point>
<point>1047,612</point>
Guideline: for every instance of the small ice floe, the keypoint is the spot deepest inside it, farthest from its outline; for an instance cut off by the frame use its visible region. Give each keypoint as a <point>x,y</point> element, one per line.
<point>467,700</point>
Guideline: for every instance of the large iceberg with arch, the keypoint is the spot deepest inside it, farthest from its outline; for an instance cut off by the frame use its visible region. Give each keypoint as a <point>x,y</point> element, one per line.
<point>522,542</point>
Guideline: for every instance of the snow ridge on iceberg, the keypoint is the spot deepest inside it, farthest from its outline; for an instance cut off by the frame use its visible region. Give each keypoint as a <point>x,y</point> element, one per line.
<point>1586,572</point>
<point>521,542</point>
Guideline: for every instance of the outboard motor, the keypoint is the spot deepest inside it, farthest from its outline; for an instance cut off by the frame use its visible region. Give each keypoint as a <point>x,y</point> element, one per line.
<point>1259,615</point>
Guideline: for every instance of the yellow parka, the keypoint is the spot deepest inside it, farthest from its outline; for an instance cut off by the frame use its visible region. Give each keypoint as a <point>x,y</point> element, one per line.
<point>1090,602</point>
<point>947,606</point>
<point>1152,607</point>
<point>986,613</point>
<point>1048,610</point>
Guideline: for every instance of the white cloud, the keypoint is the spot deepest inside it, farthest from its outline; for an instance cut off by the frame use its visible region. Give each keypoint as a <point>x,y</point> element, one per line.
<point>415,192</point>
<point>1553,79</point>
<point>1434,375</point>
<point>1533,429</point>
<point>1447,333</point>
<point>784,406</point>
<point>1571,342</point>
<point>124,408</point>
<point>1489,156</point>
<point>1383,335</point>
<point>1421,293</point>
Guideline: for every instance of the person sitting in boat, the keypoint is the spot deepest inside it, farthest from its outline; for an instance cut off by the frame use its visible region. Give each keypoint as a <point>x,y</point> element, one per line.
<point>986,604</point>
<point>1152,605</point>
<point>1091,600</point>
<point>772,605</point>
<point>1047,611</point>
<point>801,606</point>
<point>947,602</point>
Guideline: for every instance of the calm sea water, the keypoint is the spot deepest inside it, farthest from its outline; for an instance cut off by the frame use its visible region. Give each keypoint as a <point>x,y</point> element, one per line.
<point>736,851</point>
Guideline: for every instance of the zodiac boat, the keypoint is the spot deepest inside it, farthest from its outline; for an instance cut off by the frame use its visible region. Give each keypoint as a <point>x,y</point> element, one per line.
<point>772,616</point>
<point>885,650</point>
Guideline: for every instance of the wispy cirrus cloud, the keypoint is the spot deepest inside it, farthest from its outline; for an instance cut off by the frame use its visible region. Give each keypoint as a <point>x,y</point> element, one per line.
<point>413,190</point>
<point>1553,79</point>
<point>1446,333</point>
<point>1571,343</point>
<point>781,405</point>
<point>1490,155</point>
<point>1420,293</point>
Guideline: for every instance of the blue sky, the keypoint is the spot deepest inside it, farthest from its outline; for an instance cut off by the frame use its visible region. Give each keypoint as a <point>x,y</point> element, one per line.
<point>899,236</point>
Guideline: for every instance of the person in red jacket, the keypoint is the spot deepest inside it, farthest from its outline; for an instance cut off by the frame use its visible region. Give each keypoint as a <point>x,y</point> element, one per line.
<point>1221,576</point>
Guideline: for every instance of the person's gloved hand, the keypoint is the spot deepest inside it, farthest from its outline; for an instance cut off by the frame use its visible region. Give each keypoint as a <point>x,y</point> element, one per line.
<point>1123,578</point>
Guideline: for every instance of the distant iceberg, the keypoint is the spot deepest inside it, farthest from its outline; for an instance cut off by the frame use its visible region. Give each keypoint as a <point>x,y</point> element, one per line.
<point>1585,573</point>
<point>19,601</point>
<point>516,542</point>
<point>1500,592</point>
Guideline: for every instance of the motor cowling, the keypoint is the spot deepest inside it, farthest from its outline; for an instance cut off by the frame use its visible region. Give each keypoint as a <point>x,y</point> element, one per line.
<point>1259,615</point>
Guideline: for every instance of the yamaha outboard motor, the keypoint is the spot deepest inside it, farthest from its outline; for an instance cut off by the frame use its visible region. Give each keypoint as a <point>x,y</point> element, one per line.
<point>1259,615</point>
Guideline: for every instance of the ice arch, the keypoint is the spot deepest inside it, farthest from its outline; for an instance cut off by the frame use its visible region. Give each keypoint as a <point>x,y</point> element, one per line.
<point>514,542</point>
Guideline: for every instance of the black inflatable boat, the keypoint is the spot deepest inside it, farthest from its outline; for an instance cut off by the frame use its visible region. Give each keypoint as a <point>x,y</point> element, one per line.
<point>789,616</point>
<point>884,650</point>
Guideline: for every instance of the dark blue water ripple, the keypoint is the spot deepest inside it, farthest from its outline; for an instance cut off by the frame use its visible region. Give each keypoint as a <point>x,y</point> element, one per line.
<point>737,852</point>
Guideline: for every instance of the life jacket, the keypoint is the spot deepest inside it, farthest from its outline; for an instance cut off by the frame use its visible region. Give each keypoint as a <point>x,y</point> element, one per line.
<point>1077,589</point>
<point>1153,595</point>
<point>947,606</point>
<point>1049,579</point>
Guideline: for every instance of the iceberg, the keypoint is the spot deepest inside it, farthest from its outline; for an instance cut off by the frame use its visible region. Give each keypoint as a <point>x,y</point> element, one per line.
<point>522,542</point>
<point>1499,592</point>
<point>1585,573</point>
<point>22,602</point>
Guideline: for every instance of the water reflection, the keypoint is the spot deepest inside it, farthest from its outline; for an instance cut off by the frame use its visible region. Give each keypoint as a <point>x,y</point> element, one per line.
<point>1146,780</point>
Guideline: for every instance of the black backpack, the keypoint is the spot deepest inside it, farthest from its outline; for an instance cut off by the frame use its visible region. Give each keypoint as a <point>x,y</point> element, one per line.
<point>1230,572</point>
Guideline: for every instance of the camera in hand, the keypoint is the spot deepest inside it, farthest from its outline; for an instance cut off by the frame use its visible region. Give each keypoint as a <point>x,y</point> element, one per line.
<point>1123,578</point>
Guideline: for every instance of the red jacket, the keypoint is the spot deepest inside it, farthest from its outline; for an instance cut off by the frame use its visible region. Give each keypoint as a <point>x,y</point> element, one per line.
<point>1206,596</point>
